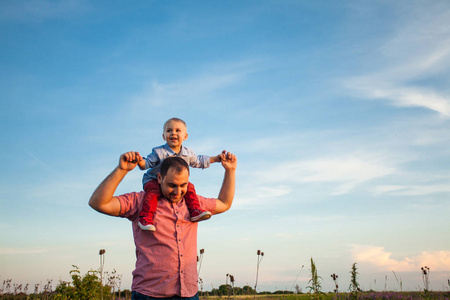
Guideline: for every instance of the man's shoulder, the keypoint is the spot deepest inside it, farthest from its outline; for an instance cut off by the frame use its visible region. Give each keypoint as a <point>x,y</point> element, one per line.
<point>131,194</point>
<point>207,203</point>
<point>130,204</point>
<point>130,199</point>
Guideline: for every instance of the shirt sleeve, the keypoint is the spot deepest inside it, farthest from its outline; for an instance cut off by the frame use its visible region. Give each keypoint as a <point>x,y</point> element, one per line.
<point>152,159</point>
<point>199,161</point>
<point>208,204</point>
<point>130,204</point>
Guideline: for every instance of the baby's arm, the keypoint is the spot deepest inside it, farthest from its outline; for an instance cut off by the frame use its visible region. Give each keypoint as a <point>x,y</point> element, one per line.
<point>141,164</point>
<point>151,161</point>
<point>218,158</point>
<point>203,161</point>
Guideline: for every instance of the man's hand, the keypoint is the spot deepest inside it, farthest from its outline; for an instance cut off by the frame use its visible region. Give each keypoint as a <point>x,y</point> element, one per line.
<point>226,194</point>
<point>129,160</point>
<point>229,161</point>
<point>103,199</point>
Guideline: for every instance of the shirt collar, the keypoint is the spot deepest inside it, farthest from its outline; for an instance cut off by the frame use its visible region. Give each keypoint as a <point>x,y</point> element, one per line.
<point>183,150</point>
<point>179,203</point>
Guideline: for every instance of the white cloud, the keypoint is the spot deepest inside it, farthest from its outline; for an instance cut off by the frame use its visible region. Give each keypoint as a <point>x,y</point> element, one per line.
<point>249,195</point>
<point>309,218</point>
<point>190,90</point>
<point>418,49</point>
<point>436,260</point>
<point>401,96</point>
<point>382,259</point>
<point>345,173</point>
<point>197,87</point>
<point>412,190</point>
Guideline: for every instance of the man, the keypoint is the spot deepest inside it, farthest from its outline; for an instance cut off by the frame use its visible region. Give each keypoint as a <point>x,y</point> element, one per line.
<point>166,259</point>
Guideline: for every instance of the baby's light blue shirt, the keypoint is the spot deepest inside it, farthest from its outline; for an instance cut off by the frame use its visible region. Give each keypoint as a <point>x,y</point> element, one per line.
<point>153,160</point>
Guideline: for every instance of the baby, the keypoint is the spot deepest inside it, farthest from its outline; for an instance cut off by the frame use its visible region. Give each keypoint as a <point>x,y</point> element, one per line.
<point>174,134</point>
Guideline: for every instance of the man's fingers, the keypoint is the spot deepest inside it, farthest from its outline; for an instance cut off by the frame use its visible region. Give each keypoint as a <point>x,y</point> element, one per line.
<point>131,156</point>
<point>230,157</point>
<point>126,156</point>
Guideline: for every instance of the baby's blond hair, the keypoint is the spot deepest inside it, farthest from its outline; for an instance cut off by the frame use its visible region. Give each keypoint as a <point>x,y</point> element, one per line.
<point>173,120</point>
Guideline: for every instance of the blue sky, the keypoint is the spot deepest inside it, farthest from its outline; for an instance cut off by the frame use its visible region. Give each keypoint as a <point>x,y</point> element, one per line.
<point>338,111</point>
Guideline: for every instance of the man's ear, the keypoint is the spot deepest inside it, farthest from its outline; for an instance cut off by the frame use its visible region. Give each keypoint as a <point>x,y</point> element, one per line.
<point>159,178</point>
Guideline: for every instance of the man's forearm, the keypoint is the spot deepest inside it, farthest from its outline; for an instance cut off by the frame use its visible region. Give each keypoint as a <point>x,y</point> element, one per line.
<point>102,198</point>
<point>226,194</point>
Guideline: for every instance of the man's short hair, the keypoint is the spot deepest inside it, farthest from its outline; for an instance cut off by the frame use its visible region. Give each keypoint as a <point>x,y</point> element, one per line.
<point>173,120</point>
<point>175,162</point>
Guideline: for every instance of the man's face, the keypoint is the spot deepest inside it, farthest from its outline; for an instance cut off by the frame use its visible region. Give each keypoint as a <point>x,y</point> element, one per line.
<point>174,185</point>
<point>174,134</point>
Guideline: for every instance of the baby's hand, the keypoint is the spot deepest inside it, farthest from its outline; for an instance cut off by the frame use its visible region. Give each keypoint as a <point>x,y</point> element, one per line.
<point>222,156</point>
<point>141,163</point>
<point>218,158</point>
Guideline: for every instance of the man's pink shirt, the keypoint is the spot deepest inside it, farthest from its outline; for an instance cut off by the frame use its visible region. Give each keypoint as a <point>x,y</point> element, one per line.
<point>166,259</point>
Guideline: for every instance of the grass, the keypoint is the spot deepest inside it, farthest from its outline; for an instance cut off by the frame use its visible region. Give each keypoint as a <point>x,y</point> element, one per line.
<point>93,286</point>
<point>343,296</point>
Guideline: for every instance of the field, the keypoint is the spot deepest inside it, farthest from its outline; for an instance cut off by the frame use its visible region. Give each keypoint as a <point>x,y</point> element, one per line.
<point>329,296</point>
<point>96,284</point>
<point>342,296</point>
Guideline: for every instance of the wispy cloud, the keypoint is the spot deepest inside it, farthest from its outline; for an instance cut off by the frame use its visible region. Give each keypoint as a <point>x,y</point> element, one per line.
<point>344,172</point>
<point>40,162</point>
<point>261,195</point>
<point>382,259</point>
<point>192,90</point>
<point>412,190</point>
<point>196,87</point>
<point>402,96</point>
<point>417,51</point>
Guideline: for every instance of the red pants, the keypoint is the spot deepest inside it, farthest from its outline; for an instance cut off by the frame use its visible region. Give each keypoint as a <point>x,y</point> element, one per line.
<point>153,193</point>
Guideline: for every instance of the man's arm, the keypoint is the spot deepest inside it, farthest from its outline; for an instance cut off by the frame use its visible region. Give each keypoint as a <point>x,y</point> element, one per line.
<point>226,195</point>
<point>103,200</point>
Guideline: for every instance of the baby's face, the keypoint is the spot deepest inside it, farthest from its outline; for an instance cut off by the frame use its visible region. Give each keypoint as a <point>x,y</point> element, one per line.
<point>174,134</point>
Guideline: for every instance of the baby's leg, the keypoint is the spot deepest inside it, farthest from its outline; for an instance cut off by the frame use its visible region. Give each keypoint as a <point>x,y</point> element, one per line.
<point>197,213</point>
<point>151,195</point>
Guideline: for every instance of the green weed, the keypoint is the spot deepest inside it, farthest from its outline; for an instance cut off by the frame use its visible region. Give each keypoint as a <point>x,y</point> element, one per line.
<point>315,286</point>
<point>354,285</point>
